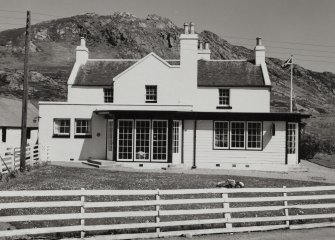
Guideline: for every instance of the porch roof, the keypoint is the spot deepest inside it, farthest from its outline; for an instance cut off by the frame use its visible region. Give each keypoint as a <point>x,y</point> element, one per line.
<point>190,115</point>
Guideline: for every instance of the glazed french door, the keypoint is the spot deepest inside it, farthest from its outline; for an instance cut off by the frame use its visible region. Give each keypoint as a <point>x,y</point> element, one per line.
<point>292,143</point>
<point>110,134</point>
<point>176,142</point>
<point>159,141</point>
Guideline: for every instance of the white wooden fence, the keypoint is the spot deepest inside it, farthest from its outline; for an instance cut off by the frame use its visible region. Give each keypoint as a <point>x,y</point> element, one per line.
<point>10,158</point>
<point>128,214</point>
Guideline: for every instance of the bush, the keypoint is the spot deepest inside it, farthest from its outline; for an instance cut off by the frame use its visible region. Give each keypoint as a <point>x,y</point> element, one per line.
<point>310,145</point>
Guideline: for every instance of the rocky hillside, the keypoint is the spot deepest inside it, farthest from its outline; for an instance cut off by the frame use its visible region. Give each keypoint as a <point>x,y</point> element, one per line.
<point>126,36</point>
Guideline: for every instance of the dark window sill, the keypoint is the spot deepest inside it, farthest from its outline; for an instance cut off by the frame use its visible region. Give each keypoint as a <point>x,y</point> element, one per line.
<point>150,101</point>
<point>60,136</point>
<point>82,136</point>
<point>224,107</point>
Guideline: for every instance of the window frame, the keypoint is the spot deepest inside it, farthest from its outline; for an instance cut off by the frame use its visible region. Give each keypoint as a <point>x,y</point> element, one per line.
<point>224,97</point>
<point>111,95</point>
<point>152,141</point>
<point>247,135</point>
<point>147,95</point>
<point>135,141</point>
<point>228,133</point>
<point>58,134</point>
<point>89,126</point>
<point>118,141</point>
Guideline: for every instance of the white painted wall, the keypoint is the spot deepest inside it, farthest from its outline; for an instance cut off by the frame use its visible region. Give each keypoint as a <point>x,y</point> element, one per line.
<point>64,149</point>
<point>129,88</point>
<point>188,142</point>
<point>272,157</point>
<point>83,94</point>
<point>241,100</point>
<point>13,138</point>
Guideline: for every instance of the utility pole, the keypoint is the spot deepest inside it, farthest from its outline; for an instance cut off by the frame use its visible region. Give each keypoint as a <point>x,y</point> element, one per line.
<point>25,97</point>
<point>291,95</point>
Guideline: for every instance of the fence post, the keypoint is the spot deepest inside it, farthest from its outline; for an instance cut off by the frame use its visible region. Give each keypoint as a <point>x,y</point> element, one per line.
<point>226,207</point>
<point>82,211</point>
<point>286,204</point>
<point>13,160</point>
<point>32,150</point>
<point>158,229</point>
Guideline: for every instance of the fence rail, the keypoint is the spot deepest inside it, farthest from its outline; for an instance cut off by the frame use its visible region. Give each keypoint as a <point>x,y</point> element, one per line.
<point>10,158</point>
<point>160,213</point>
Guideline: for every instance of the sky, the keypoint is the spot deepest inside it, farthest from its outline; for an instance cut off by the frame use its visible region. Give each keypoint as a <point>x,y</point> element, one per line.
<point>304,28</point>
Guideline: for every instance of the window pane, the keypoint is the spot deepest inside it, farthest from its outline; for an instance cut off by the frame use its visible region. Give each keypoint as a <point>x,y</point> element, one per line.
<point>224,97</point>
<point>254,135</point>
<point>176,136</point>
<point>125,140</point>
<point>237,135</point>
<point>83,126</point>
<point>221,134</point>
<point>62,126</point>
<point>292,137</point>
<point>151,93</point>
<point>109,95</point>
<point>159,140</point>
<point>142,149</point>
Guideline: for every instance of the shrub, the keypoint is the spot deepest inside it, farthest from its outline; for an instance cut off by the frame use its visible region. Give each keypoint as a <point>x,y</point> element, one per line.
<point>310,145</point>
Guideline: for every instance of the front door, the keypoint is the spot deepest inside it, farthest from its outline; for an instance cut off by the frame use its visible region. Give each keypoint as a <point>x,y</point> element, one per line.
<point>176,143</point>
<point>110,134</point>
<point>292,143</point>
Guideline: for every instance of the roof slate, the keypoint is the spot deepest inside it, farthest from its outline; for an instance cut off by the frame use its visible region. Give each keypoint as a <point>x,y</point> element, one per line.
<point>11,112</point>
<point>229,74</point>
<point>100,73</point>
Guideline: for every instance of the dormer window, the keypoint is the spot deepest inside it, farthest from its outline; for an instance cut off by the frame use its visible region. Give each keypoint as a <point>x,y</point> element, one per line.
<point>151,93</point>
<point>108,95</point>
<point>224,98</point>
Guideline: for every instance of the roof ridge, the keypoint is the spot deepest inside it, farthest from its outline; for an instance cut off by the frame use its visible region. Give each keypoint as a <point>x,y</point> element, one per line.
<point>112,60</point>
<point>225,60</point>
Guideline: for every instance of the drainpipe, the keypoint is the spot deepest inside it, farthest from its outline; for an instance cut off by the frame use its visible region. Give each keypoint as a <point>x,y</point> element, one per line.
<point>194,144</point>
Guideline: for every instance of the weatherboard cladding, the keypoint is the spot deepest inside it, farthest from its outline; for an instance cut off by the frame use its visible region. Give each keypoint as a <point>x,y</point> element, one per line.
<point>210,73</point>
<point>229,74</point>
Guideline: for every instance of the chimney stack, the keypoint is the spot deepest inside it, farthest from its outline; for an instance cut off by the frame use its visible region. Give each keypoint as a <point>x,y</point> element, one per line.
<point>259,52</point>
<point>82,52</point>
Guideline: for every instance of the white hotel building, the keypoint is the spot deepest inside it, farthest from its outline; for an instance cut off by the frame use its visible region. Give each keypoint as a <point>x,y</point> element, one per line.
<point>191,112</point>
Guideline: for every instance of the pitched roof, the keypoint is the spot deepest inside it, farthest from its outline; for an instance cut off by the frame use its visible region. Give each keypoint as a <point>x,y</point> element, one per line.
<point>100,73</point>
<point>229,74</point>
<point>11,112</point>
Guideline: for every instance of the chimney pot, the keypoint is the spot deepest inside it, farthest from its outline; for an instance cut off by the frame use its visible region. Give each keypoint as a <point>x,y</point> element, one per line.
<point>192,28</point>
<point>186,28</point>
<point>259,41</point>
<point>82,42</point>
<point>207,45</point>
<point>200,45</point>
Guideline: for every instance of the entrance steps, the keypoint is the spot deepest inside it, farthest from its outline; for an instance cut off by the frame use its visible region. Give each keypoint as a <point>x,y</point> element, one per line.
<point>101,163</point>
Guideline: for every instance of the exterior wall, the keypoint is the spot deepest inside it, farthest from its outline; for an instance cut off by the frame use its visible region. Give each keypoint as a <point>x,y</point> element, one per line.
<point>188,142</point>
<point>272,157</point>
<point>85,94</point>
<point>241,100</point>
<point>129,88</point>
<point>13,138</point>
<point>64,149</point>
